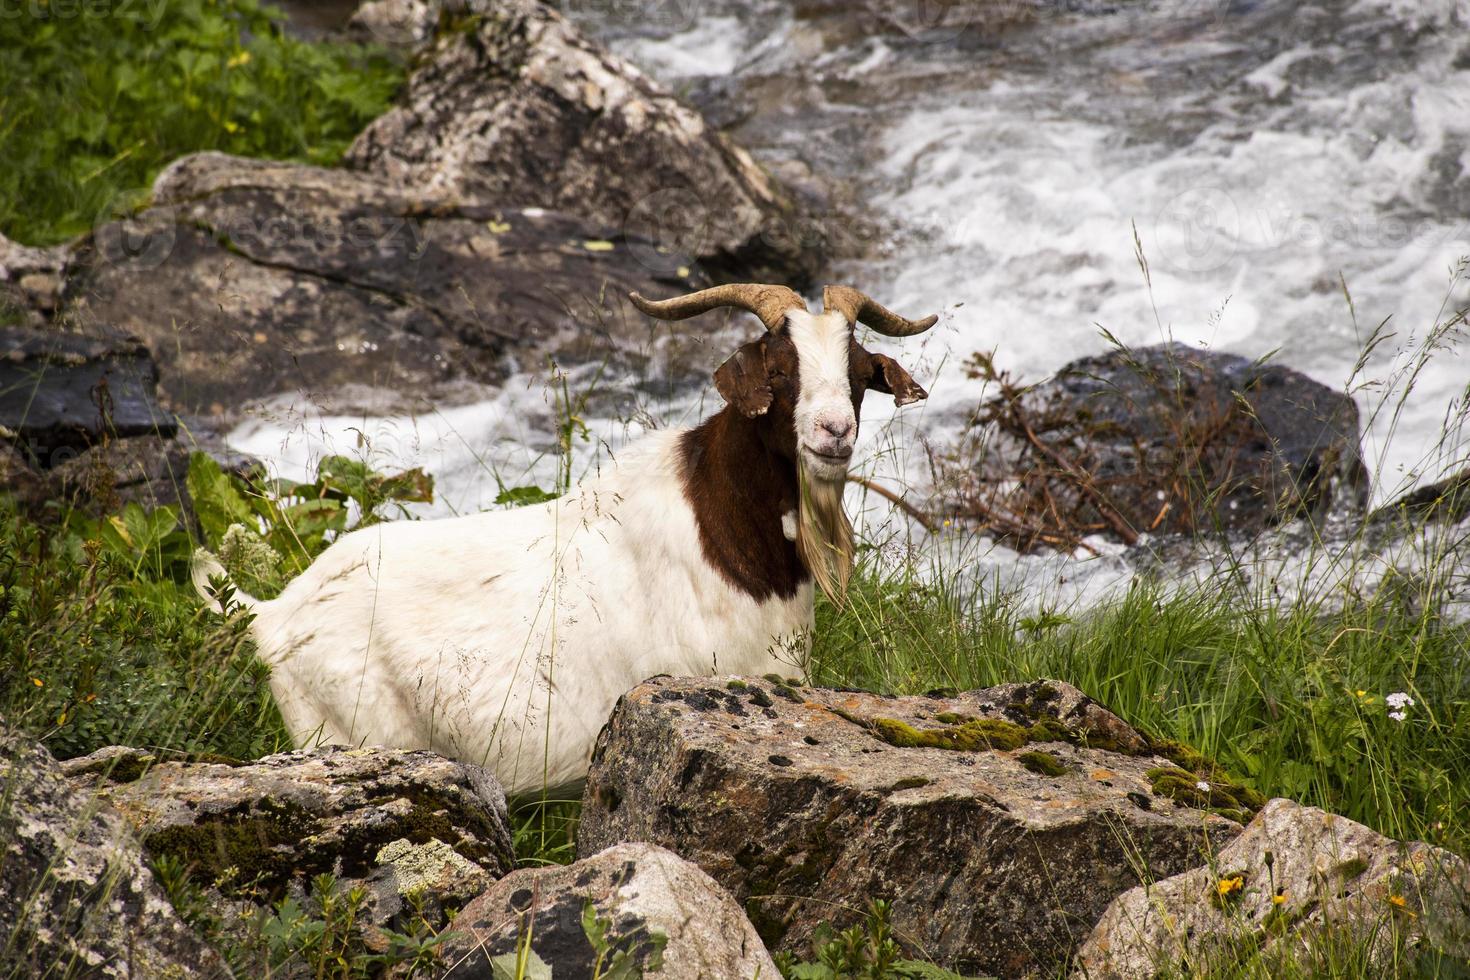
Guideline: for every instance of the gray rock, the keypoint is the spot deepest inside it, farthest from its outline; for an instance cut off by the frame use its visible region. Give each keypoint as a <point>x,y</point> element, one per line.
<point>807,803</point>
<point>147,470</point>
<point>1164,439</point>
<point>394,23</point>
<point>394,822</point>
<point>513,107</point>
<point>1326,870</point>
<point>250,279</point>
<point>61,393</point>
<point>76,898</point>
<point>30,281</point>
<point>661,912</point>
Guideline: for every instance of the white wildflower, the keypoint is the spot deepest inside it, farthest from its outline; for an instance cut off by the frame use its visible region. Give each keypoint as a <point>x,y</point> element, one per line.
<point>1399,700</point>
<point>1202,786</point>
<point>249,558</point>
<point>1398,715</point>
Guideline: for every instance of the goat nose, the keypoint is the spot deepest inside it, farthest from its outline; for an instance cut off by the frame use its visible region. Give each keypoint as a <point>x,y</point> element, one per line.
<point>838,429</point>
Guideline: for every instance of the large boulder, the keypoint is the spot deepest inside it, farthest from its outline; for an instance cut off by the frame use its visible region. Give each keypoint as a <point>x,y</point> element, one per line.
<point>76,896</point>
<point>250,279</point>
<point>999,823</point>
<point>633,903</point>
<point>513,107</point>
<point>1296,873</point>
<point>1165,439</point>
<point>396,823</point>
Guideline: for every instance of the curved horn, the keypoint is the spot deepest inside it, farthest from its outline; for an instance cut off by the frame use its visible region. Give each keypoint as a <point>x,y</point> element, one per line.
<point>858,307</point>
<point>770,303</point>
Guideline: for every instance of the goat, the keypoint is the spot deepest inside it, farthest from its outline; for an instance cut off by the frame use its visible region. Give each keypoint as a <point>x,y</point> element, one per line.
<point>504,638</point>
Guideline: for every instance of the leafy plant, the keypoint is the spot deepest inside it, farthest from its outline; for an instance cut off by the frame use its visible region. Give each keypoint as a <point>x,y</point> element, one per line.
<point>268,531</point>
<point>866,951</point>
<point>623,957</point>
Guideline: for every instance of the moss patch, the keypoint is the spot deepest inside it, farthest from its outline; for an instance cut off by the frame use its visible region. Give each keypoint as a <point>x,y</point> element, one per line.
<point>1218,793</point>
<point>1043,763</point>
<point>972,736</point>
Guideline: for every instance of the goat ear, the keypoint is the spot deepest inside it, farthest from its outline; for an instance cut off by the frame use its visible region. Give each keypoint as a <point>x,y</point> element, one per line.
<point>892,379</point>
<point>742,381</point>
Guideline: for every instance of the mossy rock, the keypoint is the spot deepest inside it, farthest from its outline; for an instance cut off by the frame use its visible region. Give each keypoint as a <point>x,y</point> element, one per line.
<point>1043,764</point>
<point>971,736</point>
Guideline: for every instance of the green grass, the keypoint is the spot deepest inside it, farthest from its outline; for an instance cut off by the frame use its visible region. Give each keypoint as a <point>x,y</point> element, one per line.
<point>96,649</point>
<point>96,98</point>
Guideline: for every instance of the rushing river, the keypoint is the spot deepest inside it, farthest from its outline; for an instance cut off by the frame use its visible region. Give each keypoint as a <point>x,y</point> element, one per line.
<point>1223,173</point>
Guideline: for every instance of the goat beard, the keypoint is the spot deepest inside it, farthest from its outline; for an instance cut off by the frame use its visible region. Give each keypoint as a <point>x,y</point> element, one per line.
<point>823,533</point>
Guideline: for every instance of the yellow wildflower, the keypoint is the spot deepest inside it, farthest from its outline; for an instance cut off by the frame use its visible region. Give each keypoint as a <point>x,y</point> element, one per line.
<point>1362,694</point>
<point>1230,885</point>
<point>237,59</point>
<point>37,681</point>
<point>1397,901</point>
<point>1279,898</point>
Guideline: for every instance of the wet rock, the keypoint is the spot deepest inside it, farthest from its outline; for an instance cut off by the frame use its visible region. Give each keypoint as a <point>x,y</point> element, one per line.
<point>513,107</point>
<point>61,393</point>
<point>806,803</point>
<point>1326,871</point>
<point>393,822</point>
<point>661,912</point>
<point>1159,440</point>
<point>250,279</point>
<point>1445,501</point>
<point>76,897</point>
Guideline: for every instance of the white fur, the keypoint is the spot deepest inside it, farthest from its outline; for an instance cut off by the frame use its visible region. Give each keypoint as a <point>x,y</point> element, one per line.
<point>504,638</point>
<point>825,399</point>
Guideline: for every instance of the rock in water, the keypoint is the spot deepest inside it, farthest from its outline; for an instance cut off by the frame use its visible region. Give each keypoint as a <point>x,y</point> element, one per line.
<point>1296,871</point>
<point>394,822</point>
<point>660,912</point>
<point>1164,439</point>
<point>251,279</point>
<point>76,898</point>
<point>513,107</point>
<point>996,832</point>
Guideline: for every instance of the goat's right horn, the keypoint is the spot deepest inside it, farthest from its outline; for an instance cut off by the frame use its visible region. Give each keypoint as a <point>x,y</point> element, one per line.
<point>859,307</point>
<point>770,303</point>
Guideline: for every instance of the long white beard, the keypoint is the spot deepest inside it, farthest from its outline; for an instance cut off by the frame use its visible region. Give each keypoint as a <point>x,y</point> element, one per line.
<point>823,533</point>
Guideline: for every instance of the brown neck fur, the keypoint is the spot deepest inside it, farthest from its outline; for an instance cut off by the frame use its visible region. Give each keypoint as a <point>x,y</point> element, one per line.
<point>739,490</point>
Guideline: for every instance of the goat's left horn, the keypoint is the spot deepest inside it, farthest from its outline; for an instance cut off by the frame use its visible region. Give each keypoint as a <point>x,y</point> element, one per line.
<point>858,307</point>
<point>770,303</point>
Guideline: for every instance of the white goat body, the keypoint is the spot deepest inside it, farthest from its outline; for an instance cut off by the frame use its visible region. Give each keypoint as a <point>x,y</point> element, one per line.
<point>504,638</point>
